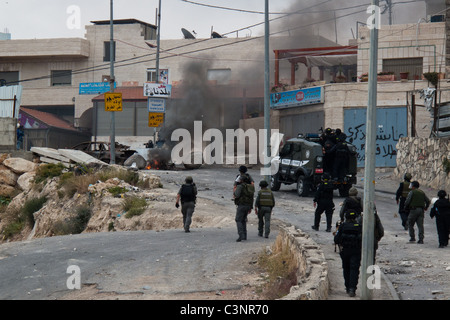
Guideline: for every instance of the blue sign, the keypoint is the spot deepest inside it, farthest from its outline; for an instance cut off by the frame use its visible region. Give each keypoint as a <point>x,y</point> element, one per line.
<point>296,98</point>
<point>156,105</point>
<point>95,87</point>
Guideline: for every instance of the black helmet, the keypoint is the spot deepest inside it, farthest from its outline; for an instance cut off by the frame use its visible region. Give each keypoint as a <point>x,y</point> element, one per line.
<point>243,169</point>
<point>415,184</point>
<point>441,194</point>
<point>263,183</point>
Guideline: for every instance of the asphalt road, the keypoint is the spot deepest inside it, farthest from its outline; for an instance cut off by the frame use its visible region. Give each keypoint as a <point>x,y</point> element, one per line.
<point>171,262</point>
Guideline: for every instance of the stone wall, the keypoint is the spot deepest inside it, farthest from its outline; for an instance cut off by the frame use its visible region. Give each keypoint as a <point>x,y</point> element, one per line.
<point>423,158</point>
<point>8,133</point>
<point>312,275</point>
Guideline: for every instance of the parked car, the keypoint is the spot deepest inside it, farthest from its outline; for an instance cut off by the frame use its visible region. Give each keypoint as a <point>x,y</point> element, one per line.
<point>101,150</point>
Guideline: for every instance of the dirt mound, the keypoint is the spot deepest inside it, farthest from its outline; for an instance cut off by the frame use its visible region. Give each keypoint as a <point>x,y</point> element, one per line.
<point>102,209</point>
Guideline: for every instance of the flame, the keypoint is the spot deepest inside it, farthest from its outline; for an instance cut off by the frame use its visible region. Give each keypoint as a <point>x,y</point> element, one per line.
<point>154,164</point>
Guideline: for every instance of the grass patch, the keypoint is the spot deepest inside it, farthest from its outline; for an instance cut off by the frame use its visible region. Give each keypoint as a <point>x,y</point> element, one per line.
<point>74,225</point>
<point>20,218</point>
<point>115,191</point>
<point>134,206</point>
<point>46,171</point>
<point>30,207</point>
<point>281,269</point>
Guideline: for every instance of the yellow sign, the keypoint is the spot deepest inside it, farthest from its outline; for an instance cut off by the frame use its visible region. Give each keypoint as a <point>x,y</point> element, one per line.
<point>155,119</point>
<point>113,101</point>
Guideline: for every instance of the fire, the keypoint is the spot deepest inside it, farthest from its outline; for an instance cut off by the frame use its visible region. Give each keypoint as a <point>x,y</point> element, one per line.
<point>153,164</point>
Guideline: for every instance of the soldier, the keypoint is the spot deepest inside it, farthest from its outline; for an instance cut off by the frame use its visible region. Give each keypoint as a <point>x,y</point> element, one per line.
<point>400,197</point>
<point>351,203</point>
<point>324,200</point>
<point>349,239</point>
<point>243,197</point>
<point>188,196</point>
<point>264,203</point>
<point>441,210</point>
<point>417,202</point>
<point>341,158</point>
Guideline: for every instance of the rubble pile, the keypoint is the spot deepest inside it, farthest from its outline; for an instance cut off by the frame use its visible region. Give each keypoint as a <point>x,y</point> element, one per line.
<point>15,175</point>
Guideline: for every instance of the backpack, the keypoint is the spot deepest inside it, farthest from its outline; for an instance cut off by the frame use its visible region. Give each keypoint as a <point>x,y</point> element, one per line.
<point>187,193</point>
<point>247,194</point>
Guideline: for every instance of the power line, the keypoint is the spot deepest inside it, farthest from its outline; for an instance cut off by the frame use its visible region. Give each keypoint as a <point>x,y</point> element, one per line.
<point>106,66</point>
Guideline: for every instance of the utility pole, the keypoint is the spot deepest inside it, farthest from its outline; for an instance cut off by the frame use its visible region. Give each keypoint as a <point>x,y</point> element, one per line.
<point>367,258</point>
<point>111,84</point>
<point>158,42</point>
<point>267,90</point>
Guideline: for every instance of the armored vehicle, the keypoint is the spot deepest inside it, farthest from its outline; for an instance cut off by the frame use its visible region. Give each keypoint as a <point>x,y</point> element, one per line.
<point>300,161</point>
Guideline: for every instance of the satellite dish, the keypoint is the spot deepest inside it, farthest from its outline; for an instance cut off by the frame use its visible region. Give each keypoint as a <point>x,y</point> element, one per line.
<point>216,35</point>
<point>187,34</point>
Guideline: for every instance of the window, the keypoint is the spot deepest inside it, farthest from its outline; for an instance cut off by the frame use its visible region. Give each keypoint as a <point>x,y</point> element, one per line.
<point>107,51</point>
<point>9,78</point>
<point>61,77</point>
<point>163,76</point>
<point>412,65</point>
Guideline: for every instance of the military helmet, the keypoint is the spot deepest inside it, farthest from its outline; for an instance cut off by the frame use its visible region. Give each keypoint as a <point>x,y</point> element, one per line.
<point>441,194</point>
<point>407,176</point>
<point>415,184</point>
<point>352,191</point>
<point>243,169</point>
<point>189,179</point>
<point>263,183</point>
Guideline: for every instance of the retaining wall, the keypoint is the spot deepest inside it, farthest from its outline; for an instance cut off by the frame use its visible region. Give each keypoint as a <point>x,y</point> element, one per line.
<point>312,275</point>
<point>423,158</point>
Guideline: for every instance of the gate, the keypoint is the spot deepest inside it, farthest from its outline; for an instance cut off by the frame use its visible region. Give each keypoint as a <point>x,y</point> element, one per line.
<point>391,126</point>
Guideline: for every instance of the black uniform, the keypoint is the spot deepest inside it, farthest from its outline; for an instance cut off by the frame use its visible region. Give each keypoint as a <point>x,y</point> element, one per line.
<point>324,200</point>
<point>441,210</point>
<point>341,159</point>
<point>400,196</point>
<point>349,239</point>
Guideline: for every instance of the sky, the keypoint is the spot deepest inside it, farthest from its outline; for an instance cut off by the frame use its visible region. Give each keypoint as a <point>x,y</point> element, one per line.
<point>30,19</point>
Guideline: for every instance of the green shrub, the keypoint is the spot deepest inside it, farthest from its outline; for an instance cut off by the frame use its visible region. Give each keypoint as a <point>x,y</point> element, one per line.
<point>30,207</point>
<point>115,191</point>
<point>134,206</point>
<point>46,171</point>
<point>74,225</point>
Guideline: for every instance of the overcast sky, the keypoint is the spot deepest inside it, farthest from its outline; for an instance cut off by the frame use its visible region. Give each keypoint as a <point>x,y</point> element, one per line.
<point>29,19</point>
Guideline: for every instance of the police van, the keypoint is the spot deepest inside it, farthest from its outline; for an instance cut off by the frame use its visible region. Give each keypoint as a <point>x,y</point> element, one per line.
<point>301,162</point>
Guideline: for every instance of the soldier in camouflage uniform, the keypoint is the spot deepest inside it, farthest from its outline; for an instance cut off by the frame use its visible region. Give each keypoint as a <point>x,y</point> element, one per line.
<point>400,197</point>
<point>264,203</point>
<point>243,197</point>
<point>417,202</point>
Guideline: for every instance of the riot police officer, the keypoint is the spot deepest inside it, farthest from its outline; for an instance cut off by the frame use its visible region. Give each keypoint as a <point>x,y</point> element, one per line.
<point>323,199</point>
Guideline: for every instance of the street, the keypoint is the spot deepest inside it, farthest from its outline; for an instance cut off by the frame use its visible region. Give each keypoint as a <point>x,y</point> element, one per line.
<point>172,264</point>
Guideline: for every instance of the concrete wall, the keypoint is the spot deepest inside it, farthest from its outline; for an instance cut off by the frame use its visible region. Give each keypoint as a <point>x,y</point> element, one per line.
<point>8,133</point>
